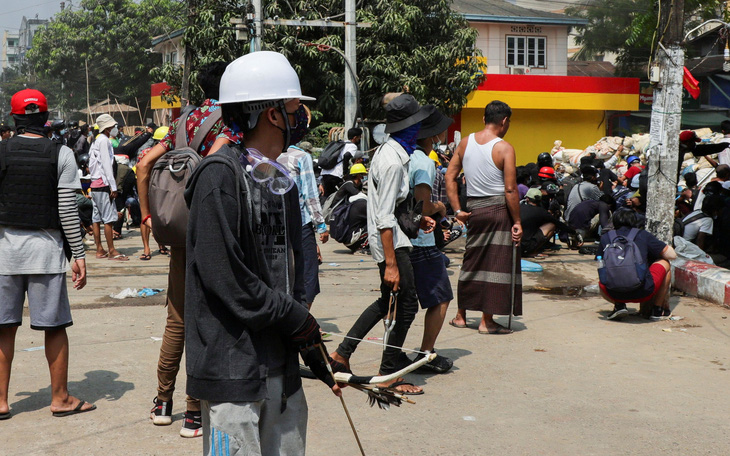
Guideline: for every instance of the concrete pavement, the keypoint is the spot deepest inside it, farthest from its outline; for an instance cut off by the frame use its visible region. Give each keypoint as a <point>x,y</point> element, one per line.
<point>567,382</point>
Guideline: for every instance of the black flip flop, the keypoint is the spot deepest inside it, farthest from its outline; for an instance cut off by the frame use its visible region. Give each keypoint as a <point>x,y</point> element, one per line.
<point>75,411</point>
<point>5,416</point>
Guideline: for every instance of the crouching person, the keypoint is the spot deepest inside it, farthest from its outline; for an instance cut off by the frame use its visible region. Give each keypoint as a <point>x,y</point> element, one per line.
<point>246,319</point>
<point>621,281</point>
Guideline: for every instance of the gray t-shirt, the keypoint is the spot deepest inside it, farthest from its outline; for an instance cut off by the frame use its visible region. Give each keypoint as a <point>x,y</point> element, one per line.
<point>38,251</point>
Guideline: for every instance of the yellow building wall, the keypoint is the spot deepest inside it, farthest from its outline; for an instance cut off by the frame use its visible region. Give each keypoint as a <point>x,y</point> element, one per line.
<point>535,130</point>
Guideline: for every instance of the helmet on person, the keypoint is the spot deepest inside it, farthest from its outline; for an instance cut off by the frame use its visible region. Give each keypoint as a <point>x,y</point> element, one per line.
<point>254,82</point>
<point>58,125</point>
<point>546,172</point>
<point>160,133</point>
<point>262,76</point>
<point>544,159</point>
<point>358,168</point>
<point>74,124</point>
<point>631,159</point>
<point>83,160</point>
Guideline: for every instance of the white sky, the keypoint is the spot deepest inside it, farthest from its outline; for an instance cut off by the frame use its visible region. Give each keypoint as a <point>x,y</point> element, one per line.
<point>12,11</point>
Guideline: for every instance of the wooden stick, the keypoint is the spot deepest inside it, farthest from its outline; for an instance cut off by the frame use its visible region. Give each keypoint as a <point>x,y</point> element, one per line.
<point>342,400</point>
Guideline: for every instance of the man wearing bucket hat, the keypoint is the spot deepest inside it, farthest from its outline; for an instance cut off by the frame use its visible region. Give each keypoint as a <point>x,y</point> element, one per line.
<point>34,220</point>
<point>104,188</point>
<point>388,186</point>
<point>432,280</point>
<point>246,319</point>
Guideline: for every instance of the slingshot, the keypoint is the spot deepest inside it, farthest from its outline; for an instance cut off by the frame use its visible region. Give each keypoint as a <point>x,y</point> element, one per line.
<point>389,320</point>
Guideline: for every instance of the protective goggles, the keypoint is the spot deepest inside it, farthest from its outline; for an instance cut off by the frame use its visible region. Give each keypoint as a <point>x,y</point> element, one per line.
<point>268,172</point>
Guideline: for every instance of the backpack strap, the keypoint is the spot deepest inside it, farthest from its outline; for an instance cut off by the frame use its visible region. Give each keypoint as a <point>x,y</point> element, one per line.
<point>205,128</point>
<point>181,133</point>
<point>632,234</point>
<point>3,157</point>
<point>612,236</point>
<point>694,218</point>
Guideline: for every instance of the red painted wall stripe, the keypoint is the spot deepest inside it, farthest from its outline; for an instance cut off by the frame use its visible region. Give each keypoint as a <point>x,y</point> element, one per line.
<point>156,89</point>
<point>575,84</point>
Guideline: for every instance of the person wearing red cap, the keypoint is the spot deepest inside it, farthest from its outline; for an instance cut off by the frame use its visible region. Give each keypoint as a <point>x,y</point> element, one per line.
<point>38,223</point>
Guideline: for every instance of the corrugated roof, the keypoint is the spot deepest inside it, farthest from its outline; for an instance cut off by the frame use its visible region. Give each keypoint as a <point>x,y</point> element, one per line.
<point>591,68</point>
<point>503,11</point>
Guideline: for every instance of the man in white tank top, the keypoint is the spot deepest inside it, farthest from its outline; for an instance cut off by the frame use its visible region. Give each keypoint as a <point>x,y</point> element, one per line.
<point>493,220</point>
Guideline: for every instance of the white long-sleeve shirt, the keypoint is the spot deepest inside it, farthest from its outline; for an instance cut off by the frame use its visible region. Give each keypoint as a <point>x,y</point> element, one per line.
<point>101,155</point>
<point>389,176</point>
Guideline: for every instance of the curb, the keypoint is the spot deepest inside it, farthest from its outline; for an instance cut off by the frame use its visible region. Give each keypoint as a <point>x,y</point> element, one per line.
<point>702,280</point>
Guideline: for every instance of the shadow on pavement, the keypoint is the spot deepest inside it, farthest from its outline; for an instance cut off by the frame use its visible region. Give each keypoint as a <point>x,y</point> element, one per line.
<point>98,385</point>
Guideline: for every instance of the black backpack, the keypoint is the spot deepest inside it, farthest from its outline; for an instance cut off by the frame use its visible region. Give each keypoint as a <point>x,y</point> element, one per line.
<point>340,226</point>
<point>680,224</point>
<point>330,156</point>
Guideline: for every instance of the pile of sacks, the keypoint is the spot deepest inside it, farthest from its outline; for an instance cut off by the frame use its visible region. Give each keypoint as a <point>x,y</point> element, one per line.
<point>636,144</point>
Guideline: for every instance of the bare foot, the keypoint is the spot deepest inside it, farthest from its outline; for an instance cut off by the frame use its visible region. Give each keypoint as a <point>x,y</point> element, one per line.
<point>337,357</point>
<point>400,385</point>
<point>101,254</point>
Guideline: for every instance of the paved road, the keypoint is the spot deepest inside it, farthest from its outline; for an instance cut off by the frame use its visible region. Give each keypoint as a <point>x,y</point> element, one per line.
<point>568,382</point>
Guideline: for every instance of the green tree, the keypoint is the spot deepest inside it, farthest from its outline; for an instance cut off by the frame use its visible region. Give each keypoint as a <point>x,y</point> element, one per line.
<point>208,37</point>
<point>418,46</point>
<point>113,37</point>
<point>629,28</point>
<point>19,77</point>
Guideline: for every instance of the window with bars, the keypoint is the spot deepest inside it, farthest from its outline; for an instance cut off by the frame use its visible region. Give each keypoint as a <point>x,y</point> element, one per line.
<point>528,51</point>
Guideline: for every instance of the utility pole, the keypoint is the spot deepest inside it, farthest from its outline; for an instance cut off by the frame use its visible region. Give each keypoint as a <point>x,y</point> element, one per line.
<point>666,118</point>
<point>185,86</point>
<point>257,26</point>
<point>350,55</point>
<point>351,58</point>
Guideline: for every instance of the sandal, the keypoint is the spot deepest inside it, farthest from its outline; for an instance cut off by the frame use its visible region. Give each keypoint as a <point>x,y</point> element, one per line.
<point>120,257</point>
<point>164,251</point>
<point>499,331</point>
<point>145,257</point>
<point>78,409</point>
<point>455,324</point>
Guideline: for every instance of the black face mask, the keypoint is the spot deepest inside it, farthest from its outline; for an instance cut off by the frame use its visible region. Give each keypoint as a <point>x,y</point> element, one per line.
<point>301,126</point>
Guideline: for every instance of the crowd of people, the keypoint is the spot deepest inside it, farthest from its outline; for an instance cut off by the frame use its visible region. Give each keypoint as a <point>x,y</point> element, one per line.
<point>243,280</point>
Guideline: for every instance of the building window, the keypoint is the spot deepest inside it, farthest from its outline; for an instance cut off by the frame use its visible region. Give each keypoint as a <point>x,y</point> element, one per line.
<point>527,51</point>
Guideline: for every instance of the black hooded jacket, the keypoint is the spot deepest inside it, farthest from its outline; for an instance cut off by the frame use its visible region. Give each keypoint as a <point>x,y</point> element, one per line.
<point>238,321</point>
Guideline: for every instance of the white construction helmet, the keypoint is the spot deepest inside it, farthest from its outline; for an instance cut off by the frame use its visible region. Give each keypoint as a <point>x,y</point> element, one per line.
<point>262,76</point>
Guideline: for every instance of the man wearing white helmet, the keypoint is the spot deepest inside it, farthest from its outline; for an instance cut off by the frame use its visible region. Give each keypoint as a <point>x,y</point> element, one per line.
<point>245,311</point>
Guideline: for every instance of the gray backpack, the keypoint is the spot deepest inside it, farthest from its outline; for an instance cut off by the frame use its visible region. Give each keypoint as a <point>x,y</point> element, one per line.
<point>623,267</point>
<point>168,179</point>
